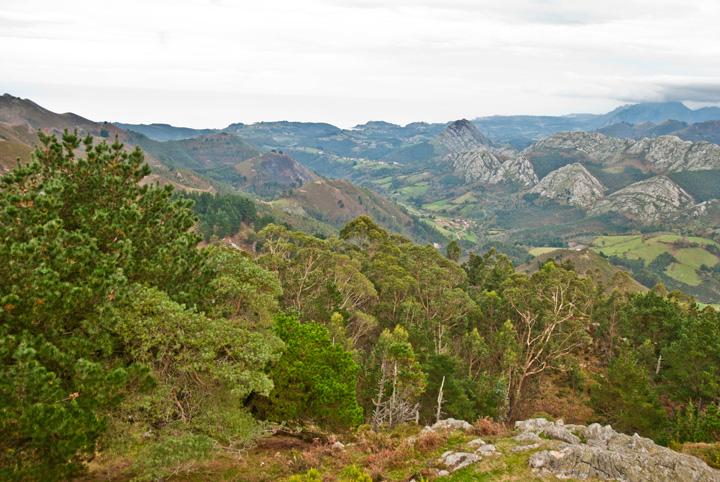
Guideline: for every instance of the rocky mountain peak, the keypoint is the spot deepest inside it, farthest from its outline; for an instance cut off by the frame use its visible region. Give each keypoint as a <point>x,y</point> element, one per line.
<point>519,170</point>
<point>462,135</point>
<point>490,166</point>
<point>571,184</point>
<point>647,201</point>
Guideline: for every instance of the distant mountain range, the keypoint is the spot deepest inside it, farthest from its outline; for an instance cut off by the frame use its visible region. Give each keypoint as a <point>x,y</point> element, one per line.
<point>516,130</point>
<point>520,130</point>
<point>219,160</point>
<point>519,183</point>
<point>708,131</point>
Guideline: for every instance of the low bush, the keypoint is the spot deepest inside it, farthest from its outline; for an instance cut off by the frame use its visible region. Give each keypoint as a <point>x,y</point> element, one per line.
<point>488,426</point>
<point>171,455</point>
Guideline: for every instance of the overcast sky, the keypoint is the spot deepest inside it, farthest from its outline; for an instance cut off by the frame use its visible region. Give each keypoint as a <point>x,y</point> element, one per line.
<point>204,63</point>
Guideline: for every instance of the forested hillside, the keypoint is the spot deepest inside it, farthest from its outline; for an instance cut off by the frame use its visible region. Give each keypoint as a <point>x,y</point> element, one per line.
<point>129,352</point>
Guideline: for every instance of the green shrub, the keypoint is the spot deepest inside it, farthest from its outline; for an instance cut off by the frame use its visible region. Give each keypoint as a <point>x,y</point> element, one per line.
<point>191,357</point>
<point>312,475</point>
<point>354,473</point>
<point>314,379</point>
<point>171,455</point>
<point>694,425</point>
<point>228,422</point>
<point>627,400</point>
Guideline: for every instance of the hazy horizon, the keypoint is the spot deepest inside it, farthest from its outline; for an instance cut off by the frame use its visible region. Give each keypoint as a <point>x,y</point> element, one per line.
<point>211,63</point>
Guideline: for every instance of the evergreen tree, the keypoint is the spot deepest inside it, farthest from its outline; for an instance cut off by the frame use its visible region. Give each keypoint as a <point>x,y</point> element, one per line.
<point>626,398</point>
<point>78,236</point>
<point>453,251</point>
<point>315,379</point>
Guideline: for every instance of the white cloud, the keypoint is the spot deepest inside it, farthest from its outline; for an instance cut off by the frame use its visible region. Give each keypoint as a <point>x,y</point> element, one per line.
<point>201,63</point>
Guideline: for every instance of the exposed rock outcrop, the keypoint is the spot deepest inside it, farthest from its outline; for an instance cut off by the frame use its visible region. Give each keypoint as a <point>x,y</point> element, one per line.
<point>476,443</point>
<point>647,201</point>
<point>453,461</point>
<point>608,455</point>
<point>473,452</point>
<point>450,424</point>
<point>569,451</point>
<point>518,170</point>
<point>672,154</point>
<point>591,145</point>
<point>273,172</point>
<point>661,154</point>
<point>476,159</point>
<point>462,135</point>
<point>486,450</point>
<point>488,166</point>
<point>477,165</point>
<point>571,184</point>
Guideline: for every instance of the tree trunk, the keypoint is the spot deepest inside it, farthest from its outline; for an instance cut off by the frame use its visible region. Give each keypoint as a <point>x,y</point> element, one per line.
<point>440,400</point>
<point>515,398</point>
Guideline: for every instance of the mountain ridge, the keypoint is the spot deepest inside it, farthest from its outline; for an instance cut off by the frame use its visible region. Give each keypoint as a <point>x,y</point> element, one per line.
<point>647,201</point>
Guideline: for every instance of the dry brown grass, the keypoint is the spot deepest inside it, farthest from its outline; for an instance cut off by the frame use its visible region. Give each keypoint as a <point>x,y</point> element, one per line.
<point>374,442</point>
<point>708,452</point>
<point>381,462</point>
<point>487,426</point>
<point>428,441</point>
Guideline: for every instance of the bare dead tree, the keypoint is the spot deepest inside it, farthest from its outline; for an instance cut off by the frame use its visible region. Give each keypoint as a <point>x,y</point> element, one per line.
<point>395,409</point>
<point>546,337</point>
<point>440,400</point>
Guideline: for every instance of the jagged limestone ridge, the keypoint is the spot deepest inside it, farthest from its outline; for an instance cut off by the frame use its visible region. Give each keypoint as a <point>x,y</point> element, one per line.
<point>647,201</point>
<point>662,154</point>
<point>571,184</point>
<point>519,170</point>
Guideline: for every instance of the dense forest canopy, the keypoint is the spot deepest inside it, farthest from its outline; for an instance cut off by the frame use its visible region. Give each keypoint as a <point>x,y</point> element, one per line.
<point>118,333</point>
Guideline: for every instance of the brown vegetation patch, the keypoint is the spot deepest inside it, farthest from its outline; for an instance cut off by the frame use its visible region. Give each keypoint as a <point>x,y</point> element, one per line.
<point>282,442</point>
<point>709,453</point>
<point>489,427</point>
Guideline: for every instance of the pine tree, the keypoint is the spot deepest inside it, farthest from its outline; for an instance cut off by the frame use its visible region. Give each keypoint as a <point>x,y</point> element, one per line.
<point>75,232</point>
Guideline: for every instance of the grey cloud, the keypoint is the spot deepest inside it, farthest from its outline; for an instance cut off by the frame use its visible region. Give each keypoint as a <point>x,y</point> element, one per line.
<point>696,92</point>
<point>666,91</point>
<point>634,89</point>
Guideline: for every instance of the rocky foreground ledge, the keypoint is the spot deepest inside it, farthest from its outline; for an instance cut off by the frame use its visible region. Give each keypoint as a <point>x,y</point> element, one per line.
<point>581,452</point>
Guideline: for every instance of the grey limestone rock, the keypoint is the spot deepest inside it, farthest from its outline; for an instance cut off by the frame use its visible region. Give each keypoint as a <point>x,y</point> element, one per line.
<point>609,455</point>
<point>647,201</point>
<point>450,424</point>
<point>453,461</point>
<point>571,184</point>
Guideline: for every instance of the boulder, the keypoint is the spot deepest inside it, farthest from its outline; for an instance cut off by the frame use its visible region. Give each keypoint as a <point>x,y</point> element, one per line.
<point>486,450</point>
<point>528,437</point>
<point>453,461</point>
<point>450,424</point>
<point>473,444</point>
<point>532,424</point>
